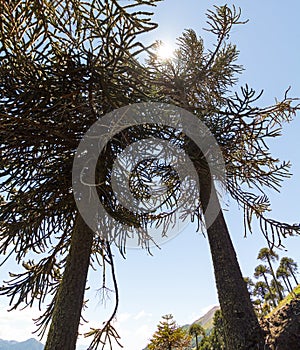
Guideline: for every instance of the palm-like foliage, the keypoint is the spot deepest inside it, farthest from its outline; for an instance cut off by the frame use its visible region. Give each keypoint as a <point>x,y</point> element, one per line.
<point>196,330</point>
<point>291,266</point>
<point>283,274</point>
<point>63,64</point>
<point>268,255</point>
<point>261,304</point>
<point>262,271</point>
<point>275,286</point>
<point>260,289</point>
<point>194,79</point>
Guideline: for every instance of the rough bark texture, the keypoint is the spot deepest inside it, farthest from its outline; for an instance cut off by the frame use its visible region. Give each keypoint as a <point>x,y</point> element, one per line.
<point>242,328</point>
<point>283,327</point>
<point>275,279</point>
<point>291,271</point>
<point>66,316</point>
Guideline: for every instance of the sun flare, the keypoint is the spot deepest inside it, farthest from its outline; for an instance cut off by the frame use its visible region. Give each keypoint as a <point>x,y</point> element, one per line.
<point>165,51</point>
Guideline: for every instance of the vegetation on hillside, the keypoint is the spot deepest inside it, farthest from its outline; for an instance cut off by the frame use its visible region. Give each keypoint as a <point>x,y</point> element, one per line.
<point>193,337</point>
<point>206,337</point>
<point>272,285</point>
<point>169,336</point>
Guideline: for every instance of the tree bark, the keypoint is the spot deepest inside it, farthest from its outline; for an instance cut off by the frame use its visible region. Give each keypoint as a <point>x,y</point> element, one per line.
<point>270,290</point>
<point>241,325</point>
<point>286,285</point>
<point>288,280</point>
<point>63,331</point>
<point>291,271</point>
<point>275,279</point>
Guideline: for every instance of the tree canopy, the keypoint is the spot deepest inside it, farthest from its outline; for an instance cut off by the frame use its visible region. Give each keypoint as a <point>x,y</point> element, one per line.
<point>66,64</point>
<point>169,336</point>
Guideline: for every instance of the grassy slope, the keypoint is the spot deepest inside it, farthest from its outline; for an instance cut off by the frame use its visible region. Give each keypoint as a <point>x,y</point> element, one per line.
<point>205,321</point>
<point>286,300</point>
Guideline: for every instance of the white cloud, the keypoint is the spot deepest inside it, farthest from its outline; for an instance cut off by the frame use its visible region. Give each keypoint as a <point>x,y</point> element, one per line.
<point>142,314</point>
<point>18,324</point>
<point>121,318</point>
<point>134,334</point>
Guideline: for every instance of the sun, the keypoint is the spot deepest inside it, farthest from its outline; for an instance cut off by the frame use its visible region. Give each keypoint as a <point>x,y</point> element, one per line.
<point>165,51</point>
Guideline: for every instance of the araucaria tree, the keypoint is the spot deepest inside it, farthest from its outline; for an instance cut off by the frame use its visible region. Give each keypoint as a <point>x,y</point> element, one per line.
<point>262,271</point>
<point>268,255</point>
<point>216,339</point>
<point>169,336</point>
<point>64,65</point>
<point>201,82</point>
<point>196,330</point>
<point>289,265</point>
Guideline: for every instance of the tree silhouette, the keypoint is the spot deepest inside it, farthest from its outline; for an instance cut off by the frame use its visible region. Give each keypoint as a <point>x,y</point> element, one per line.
<point>177,78</point>
<point>268,255</point>
<point>275,286</point>
<point>262,271</point>
<point>169,336</point>
<point>64,65</point>
<point>284,275</point>
<point>260,289</point>
<point>196,330</point>
<point>216,339</point>
<point>290,265</point>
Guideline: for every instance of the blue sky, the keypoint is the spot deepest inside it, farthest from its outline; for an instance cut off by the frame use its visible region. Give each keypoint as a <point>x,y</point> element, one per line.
<point>179,279</point>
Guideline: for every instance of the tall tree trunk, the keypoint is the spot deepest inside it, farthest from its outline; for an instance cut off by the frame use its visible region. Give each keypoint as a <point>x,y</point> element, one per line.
<point>241,325</point>
<point>286,285</point>
<point>288,280</point>
<point>275,279</point>
<point>197,345</point>
<point>63,331</point>
<point>292,272</point>
<point>270,290</point>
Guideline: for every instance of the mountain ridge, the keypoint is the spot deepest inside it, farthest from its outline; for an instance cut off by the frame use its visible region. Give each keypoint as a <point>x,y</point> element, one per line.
<point>206,321</point>
<point>29,344</point>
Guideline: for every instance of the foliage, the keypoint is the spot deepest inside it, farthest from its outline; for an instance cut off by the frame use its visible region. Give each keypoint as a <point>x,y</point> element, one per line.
<point>65,64</point>
<point>290,266</point>
<point>216,339</point>
<point>269,255</point>
<point>294,294</point>
<point>266,290</point>
<point>202,82</point>
<point>195,331</point>
<point>169,336</point>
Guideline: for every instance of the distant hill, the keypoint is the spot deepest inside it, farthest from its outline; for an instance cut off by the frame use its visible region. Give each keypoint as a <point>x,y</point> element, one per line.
<point>206,321</point>
<point>30,344</point>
